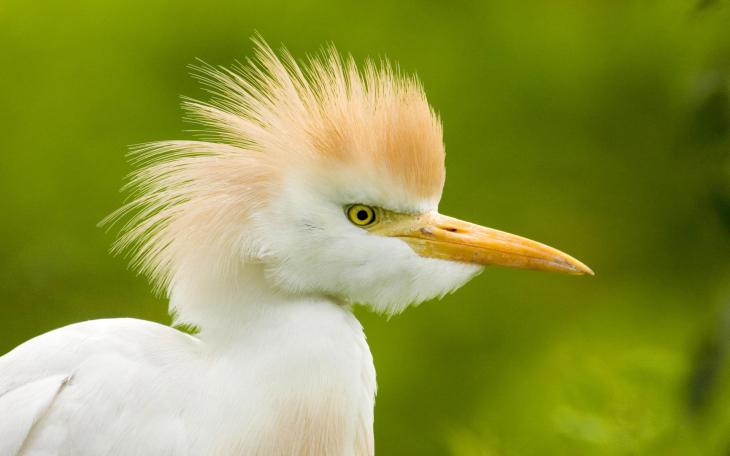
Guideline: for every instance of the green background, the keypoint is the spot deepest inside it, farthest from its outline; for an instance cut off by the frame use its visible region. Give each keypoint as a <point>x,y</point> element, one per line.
<point>599,127</point>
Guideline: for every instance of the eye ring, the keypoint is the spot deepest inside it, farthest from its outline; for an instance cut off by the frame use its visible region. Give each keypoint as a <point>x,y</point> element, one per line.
<point>361,215</point>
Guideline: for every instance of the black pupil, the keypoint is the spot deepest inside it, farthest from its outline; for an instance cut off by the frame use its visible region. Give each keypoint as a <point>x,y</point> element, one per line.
<point>362,215</point>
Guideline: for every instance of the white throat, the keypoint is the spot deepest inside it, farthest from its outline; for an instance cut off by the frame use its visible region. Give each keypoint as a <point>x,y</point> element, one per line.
<point>223,303</point>
<point>220,304</point>
<point>264,338</point>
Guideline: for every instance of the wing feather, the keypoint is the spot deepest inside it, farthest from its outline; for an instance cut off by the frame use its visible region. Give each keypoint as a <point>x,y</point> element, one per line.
<point>23,407</point>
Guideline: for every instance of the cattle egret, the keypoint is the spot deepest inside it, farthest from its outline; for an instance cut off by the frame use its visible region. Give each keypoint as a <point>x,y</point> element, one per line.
<point>317,188</point>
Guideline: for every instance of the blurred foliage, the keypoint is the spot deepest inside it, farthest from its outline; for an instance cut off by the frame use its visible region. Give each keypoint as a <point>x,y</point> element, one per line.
<point>600,127</point>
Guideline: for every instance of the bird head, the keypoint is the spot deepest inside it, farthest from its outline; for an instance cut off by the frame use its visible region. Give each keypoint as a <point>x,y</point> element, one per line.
<point>324,175</point>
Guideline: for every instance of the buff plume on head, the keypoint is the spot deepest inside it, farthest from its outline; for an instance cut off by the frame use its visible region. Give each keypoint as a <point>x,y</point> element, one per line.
<point>267,118</point>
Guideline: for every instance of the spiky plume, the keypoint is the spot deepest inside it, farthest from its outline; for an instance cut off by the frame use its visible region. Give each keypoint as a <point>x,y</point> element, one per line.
<point>265,117</point>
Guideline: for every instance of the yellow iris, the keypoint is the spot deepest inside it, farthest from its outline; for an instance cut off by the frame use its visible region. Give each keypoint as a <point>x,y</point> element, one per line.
<point>361,215</point>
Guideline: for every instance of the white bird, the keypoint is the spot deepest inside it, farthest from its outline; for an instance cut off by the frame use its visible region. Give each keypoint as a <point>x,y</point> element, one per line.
<point>317,189</point>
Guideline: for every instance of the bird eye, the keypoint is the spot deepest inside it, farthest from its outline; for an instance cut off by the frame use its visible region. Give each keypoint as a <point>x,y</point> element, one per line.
<point>361,215</point>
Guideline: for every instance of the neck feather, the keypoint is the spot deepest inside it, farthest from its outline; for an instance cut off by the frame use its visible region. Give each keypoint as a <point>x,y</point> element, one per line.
<point>223,303</point>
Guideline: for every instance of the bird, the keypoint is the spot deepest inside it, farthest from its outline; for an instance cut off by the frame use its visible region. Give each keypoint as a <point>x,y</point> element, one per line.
<point>311,187</point>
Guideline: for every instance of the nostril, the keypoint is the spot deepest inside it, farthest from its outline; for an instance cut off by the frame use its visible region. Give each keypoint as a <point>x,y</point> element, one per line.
<point>450,229</point>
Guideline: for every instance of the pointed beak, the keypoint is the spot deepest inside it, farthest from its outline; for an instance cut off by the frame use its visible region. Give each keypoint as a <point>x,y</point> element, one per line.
<point>437,236</point>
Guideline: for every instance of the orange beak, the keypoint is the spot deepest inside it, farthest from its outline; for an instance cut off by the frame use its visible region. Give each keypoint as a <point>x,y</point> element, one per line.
<point>437,236</point>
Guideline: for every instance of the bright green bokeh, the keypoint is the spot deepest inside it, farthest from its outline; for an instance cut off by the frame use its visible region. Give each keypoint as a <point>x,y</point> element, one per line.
<point>602,128</point>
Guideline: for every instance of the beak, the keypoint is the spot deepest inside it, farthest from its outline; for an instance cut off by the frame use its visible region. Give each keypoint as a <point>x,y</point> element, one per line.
<point>437,236</point>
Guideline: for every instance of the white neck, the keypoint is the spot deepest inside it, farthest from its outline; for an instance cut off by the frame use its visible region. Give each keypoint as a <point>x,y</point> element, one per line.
<point>223,303</point>
<point>312,368</point>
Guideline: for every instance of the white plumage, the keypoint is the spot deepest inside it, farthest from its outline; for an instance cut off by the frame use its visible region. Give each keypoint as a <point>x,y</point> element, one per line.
<point>318,189</point>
